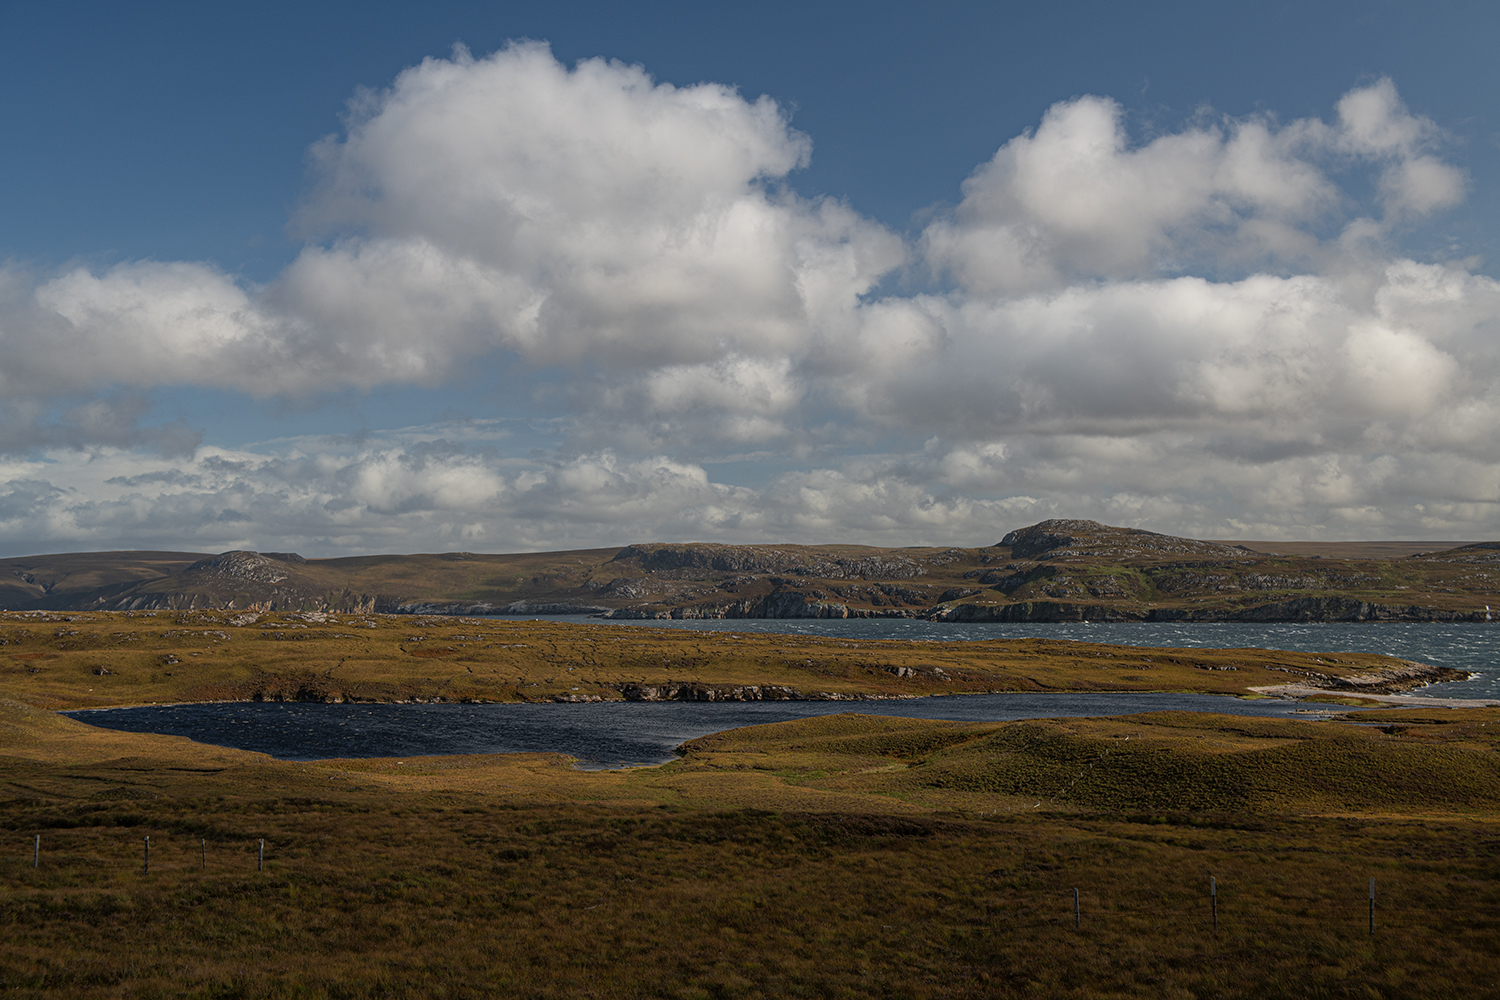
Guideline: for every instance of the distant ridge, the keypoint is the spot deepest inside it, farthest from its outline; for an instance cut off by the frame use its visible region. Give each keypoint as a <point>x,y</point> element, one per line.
<point>1347,550</point>
<point>1055,570</point>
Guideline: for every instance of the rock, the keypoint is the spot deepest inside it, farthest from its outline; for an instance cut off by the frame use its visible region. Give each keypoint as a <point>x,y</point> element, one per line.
<point>767,559</point>
<point>480,608</point>
<point>674,691</point>
<point>1031,611</point>
<point>1093,538</point>
<point>708,692</point>
<point>241,565</point>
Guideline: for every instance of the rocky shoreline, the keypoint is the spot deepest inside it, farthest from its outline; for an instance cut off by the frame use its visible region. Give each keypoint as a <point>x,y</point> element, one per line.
<point>1299,609</point>
<point>669,691</point>
<point>792,605</point>
<point>1391,681</point>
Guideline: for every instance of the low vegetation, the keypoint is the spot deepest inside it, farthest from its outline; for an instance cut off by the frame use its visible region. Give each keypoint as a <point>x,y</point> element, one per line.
<point>846,856</point>
<point>101,659</point>
<point>1057,570</point>
<point>842,856</point>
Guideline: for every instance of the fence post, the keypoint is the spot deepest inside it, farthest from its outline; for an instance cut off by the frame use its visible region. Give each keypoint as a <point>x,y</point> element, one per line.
<point>146,858</point>
<point>1076,916</point>
<point>1213,893</point>
<point>1372,904</point>
<point>36,852</point>
<point>260,856</point>
<point>204,847</point>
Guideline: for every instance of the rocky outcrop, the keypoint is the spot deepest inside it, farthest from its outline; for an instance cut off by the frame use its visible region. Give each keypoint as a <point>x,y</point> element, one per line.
<point>255,596</point>
<point>789,604</point>
<point>242,565</point>
<point>708,692</point>
<point>765,559</point>
<point>1343,609</point>
<point>1480,552</point>
<point>674,691</point>
<point>471,608</point>
<point>1031,611</point>
<point>1045,538</point>
<point>778,604</point>
<point>1393,680</point>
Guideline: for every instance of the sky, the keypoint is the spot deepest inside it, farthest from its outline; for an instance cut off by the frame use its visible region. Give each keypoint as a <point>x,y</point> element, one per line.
<point>344,278</point>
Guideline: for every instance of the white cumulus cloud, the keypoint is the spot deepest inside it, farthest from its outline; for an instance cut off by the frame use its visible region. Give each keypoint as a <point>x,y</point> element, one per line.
<point>1211,328</point>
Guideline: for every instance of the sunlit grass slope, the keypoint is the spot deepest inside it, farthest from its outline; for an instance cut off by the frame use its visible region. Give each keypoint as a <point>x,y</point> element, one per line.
<point>1155,761</point>
<point>82,660</point>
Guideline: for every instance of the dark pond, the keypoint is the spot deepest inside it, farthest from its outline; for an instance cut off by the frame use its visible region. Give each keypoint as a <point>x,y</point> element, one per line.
<point>617,733</point>
<point>608,734</point>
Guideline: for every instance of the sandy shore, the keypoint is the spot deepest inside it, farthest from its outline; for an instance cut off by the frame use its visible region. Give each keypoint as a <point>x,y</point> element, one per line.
<point>1417,701</point>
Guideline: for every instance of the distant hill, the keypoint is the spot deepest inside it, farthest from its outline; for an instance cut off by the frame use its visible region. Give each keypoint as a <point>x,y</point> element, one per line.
<point>1349,550</point>
<point>1056,570</point>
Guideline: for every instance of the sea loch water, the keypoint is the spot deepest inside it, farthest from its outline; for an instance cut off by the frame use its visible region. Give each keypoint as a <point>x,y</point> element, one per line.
<point>1470,646</point>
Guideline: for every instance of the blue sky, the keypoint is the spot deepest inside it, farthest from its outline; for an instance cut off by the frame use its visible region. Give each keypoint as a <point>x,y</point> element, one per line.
<point>873,273</point>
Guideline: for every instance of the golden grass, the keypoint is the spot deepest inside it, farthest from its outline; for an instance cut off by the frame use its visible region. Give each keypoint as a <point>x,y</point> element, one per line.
<point>89,660</point>
<point>844,856</point>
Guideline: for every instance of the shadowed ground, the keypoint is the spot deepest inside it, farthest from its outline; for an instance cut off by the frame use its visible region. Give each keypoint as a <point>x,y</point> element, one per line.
<point>842,856</point>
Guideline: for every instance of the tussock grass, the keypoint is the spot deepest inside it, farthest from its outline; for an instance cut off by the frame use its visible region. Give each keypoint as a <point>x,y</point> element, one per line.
<point>1181,761</point>
<point>845,856</point>
<point>84,660</point>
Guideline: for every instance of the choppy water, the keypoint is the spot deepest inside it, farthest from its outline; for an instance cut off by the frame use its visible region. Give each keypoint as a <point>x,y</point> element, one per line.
<point>1471,646</point>
<point>611,734</point>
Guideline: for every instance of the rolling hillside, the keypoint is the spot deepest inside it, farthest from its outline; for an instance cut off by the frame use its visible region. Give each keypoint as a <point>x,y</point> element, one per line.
<point>1057,570</point>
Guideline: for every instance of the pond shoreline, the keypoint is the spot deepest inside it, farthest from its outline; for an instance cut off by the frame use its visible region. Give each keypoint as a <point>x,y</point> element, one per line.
<point>611,734</point>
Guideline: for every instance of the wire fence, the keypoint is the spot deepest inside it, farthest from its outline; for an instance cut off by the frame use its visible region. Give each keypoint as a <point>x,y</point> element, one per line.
<point>1217,907</point>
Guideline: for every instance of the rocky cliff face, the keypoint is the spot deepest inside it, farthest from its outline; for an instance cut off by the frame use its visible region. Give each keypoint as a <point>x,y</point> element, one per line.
<point>779,604</point>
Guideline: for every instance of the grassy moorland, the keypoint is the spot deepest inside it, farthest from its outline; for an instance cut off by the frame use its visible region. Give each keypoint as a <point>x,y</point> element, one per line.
<point>846,856</point>
<point>1058,570</point>
<point>91,660</point>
